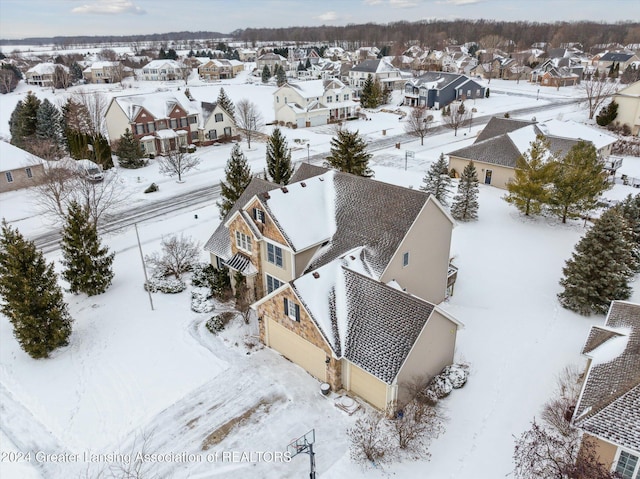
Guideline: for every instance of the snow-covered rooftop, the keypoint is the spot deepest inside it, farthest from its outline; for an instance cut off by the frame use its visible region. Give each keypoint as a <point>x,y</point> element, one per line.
<point>576,131</point>
<point>12,157</point>
<point>159,104</point>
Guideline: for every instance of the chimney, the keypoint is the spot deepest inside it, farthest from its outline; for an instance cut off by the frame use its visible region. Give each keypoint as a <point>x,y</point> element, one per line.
<point>316,275</point>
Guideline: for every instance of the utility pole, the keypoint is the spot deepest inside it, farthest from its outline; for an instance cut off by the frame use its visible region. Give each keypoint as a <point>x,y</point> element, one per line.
<point>144,267</point>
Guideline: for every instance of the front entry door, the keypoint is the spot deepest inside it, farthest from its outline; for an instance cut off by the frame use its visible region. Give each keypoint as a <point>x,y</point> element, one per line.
<point>487,177</point>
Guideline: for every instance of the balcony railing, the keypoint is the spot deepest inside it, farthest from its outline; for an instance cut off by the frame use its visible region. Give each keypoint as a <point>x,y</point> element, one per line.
<point>612,163</point>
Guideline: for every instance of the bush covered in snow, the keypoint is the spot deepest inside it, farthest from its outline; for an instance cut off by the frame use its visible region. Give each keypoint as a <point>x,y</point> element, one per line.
<point>200,302</point>
<point>452,377</point>
<point>203,275</point>
<point>165,285</point>
<point>216,323</point>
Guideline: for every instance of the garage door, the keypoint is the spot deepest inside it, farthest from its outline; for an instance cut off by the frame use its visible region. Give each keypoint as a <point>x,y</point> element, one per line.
<point>368,387</point>
<point>298,350</point>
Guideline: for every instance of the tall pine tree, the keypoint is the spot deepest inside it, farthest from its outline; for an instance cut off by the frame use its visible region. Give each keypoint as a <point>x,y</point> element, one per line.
<point>437,180</point>
<point>578,182</point>
<point>630,209</point>
<point>266,74</point>
<point>49,123</point>
<point>529,188</point>
<point>465,202</point>
<point>25,123</point>
<point>281,75</point>
<point>238,176</point>
<point>129,151</point>
<point>225,102</point>
<point>87,265</point>
<point>33,300</point>
<point>349,154</point>
<point>371,95</point>
<point>279,166</point>
<point>601,267</point>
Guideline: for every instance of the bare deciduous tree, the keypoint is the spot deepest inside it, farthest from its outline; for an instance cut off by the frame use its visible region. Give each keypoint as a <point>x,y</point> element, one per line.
<point>369,443</point>
<point>177,163</point>
<point>597,91</point>
<point>99,197</point>
<point>54,188</point>
<point>179,255</point>
<point>61,77</point>
<point>248,119</point>
<point>93,108</point>
<point>418,425</point>
<point>458,116</point>
<point>419,122</point>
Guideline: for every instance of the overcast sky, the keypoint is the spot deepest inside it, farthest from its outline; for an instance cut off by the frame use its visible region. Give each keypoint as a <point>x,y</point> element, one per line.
<point>45,18</point>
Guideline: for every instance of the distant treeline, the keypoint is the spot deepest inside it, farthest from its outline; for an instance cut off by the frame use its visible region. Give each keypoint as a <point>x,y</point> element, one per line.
<point>433,33</point>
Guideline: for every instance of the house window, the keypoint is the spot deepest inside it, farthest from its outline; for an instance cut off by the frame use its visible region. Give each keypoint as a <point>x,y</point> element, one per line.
<point>258,215</point>
<point>405,259</point>
<point>139,129</point>
<point>218,117</point>
<point>213,134</point>
<point>329,99</point>
<point>183,121</point>
<point>277,99</point>
<point>227,131</point>
<point>292,309</point>
<point>9,177</point>
<point>28,172</point>
<point>627,464</point>
<point>243,241</point>
<point>162,125</point>
<point>273,284</point>
<point>194,136</point>
<point>346,97</point>
<point>193,119</point>
<point>274,254</point>
<point>151,127</point>
<point>174,123</point>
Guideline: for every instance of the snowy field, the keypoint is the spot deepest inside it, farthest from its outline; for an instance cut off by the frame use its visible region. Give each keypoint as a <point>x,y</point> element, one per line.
<point>135,380</point>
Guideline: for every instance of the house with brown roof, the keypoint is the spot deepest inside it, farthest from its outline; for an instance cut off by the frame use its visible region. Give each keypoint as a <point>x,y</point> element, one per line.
<point>313,250</point>
<point>608,409</point>
<point>503,140</point>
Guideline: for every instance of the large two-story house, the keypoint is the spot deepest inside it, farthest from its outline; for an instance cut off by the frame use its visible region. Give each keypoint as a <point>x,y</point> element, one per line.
<point>164,70</point>
<point>330,275</point>
<point>380,70</point>
<point>313,103</point>
<point>438,89</point>
<point>608,409</point>
<point>44,74</point>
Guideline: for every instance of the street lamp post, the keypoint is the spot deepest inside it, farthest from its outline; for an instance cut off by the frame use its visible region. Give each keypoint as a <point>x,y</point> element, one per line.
<point>307,152</point>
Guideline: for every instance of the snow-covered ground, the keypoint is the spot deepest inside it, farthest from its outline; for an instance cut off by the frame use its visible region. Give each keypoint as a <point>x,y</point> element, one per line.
<point>157,381</point>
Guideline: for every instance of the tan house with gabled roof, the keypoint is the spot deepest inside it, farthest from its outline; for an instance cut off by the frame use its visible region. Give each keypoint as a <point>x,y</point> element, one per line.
<point>608,409</point>
<point>371,241</point>
<point>628,100</point>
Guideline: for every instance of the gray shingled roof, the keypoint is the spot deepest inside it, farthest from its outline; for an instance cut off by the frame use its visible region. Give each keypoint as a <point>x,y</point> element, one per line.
<point>382,323</point>
<point>368,66</point>
<point>615,57</point>
<point>498,149</point>
<point>220,243</point>
<point>430,77</point>
<point>609,405</point>
<point>372,214</point>
<point>306,171</point>
<point>499,126</point>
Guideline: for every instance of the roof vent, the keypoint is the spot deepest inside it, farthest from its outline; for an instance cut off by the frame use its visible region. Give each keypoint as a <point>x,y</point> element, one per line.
<point>316,275</point>
<point>321,178</point>
<point>266,196</point>
<point>284,189</point>
<point>352,258</point>
<point>303,184</point>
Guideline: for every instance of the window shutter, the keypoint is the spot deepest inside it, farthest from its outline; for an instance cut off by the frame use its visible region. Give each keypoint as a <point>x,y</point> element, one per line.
<point>255,214</point>
<point>286,307</point>
<point>297,312</point>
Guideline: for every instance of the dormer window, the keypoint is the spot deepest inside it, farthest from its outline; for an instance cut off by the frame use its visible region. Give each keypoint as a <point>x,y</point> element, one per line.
<point>243,241</point>
<point>258,215</point>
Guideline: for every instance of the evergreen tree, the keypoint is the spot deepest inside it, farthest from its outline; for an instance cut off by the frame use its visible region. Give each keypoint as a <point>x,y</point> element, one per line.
<point>100,151</point>
<point>578,181</point>
<point>49,123</point>
<point>266,74</point>
<point>26,121</point>
<point>238,176</point>
<point>307,64</point>
<point>281,75</point>
<point>162,54</point>
<point>14,124</point>
<point>87,265</point>
<point>129,151</point>
<point>607,114</point>
<point>437,180</point>
<point>601,267</point>
<point>465,202</point>
<point>32,299</point>
<point>279,166</point>
<point>371,93</point>
<point>349,154</point>
<point>225,102</point>
<point>301,67</point>
<point>630,209</point>
<point>529,189</point>
<point>75,71</point>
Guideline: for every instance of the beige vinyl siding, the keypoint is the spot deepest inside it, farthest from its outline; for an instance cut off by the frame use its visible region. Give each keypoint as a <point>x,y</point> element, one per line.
<point>284,273</point>
<point>500,175</point>
<point>117,122</point>
<point>367,386</point>
<point>427,243</point>
<point>296,349</point>
<point>432,351</point>
<point>303,258</point>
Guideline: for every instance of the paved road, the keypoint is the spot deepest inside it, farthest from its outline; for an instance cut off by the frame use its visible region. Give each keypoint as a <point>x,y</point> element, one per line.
<point>49,241</point>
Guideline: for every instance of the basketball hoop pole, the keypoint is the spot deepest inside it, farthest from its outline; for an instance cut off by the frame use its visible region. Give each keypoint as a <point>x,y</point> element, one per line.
<point>312,462</point>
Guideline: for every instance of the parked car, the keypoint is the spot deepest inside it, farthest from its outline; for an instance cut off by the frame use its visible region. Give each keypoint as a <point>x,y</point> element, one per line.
<point>90,170</point>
